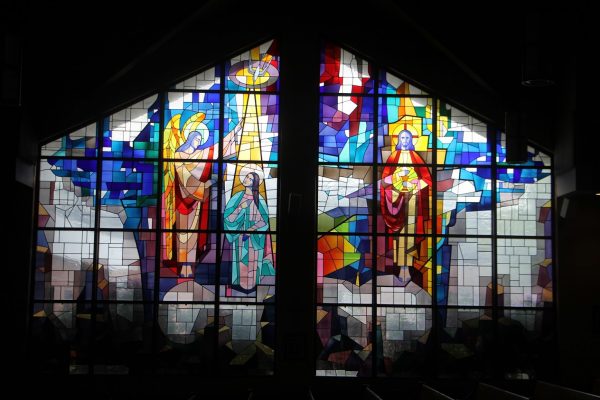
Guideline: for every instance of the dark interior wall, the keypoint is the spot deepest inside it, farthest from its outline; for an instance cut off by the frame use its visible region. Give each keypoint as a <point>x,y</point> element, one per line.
<point>578,299</point>
<point>578,215</point>
<point>76,70</point>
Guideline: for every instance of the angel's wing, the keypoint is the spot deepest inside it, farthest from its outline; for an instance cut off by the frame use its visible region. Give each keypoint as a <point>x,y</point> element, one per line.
<point>173,138</point>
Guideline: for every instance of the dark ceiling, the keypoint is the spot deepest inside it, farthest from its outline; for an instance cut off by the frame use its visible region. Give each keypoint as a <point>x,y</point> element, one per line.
<point>72,54</point>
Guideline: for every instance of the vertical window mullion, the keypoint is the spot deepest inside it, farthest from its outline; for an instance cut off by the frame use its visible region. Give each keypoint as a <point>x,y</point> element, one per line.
<point>94,305</point>
<point>159,229</point>
<point>435,317</point>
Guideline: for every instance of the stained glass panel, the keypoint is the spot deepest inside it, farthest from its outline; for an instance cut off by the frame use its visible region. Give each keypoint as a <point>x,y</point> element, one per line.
<point>344,72</point>
<point>391,84</point>
<point>465,271</point>
<point>535,157</point>
<point>126,263</point>
<point>539,157</point>
<point>183,323</point>
<point>187,338</point>
<point>190,195</point>
<point>346,129</point>
<point>128,194</point>
<point>524,272</point>
<point>247,339</point>
<point>524,202</point>
<point>133,131</point>
<point>81,143</point>
<point>344,269</point>
<point>248,267</point>
<point>63,265</point>
<point>209,79</point>
<point>464,199</point>
<point>344,344</point>
<point>191,126</point>
<point>461,139</point>
<point>188,266</point>
<point>250,197</point>
<point>345,196</point>
<point>405,199</point>
<point>405,130</point>
<point>67,193</point>
<point>252,126</point>
<point>404,269</point>
<point>433,231</point>
<point>217,234</point>
<point>254,70</point>
<point>404,337</point>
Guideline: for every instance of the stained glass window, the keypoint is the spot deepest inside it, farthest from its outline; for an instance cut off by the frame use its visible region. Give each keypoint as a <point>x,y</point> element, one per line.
<point>423,226</point>
<point>157,230</point>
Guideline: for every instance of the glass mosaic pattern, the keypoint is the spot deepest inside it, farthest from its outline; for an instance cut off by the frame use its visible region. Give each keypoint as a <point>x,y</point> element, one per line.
<point>80,143</point>
<point>404,269</point>
<point>63,265</point>
<point>346,129</point>
<point>254,70</point>
<point>192,126</point>
<point>344,345</point>
<point>535,157</point>
<point>173,210</point>
<point>404,337</point>
<point>126,262</point>
<point>392,84</point>
<point>344,273</point>
<point>405,127</point>
<point>67,193</point>
<point>425,198</point>
<point>157,230</point>
<point>461,139</point>
<point>468,281</point>
<point>465,195</point>
<point>253,127</point>
<point>247,339</point>
<point>524,201</point>
<point>345,194</point>
<point>209,79</point>
<point>133,131</point>
<point>344,72</point>
<point>525,272</point>
<point>128,194</point>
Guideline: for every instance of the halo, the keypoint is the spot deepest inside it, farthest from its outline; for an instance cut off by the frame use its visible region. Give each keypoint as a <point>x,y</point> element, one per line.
<point>403,126</point>
<point>246,169</point>
<point>194,124</point>
<point>243,74</point>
